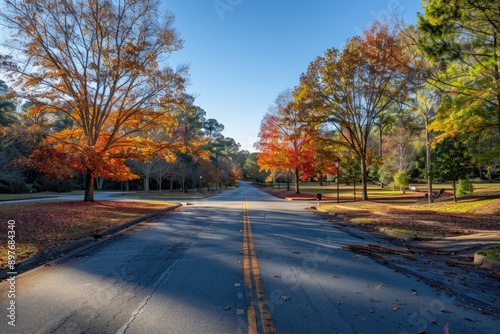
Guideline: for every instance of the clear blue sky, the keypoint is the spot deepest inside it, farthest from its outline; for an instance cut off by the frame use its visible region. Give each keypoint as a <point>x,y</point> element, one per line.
<point>243,53</point>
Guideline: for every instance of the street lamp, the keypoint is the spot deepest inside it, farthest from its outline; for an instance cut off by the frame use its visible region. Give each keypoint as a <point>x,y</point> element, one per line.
<point>337,165</point>
<point>201,178</point>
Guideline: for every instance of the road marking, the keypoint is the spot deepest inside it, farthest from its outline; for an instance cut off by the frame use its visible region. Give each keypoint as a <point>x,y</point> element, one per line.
<point>259,317</point>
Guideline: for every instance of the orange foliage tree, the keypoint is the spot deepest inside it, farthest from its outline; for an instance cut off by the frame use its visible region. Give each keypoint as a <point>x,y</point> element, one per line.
<point>285,140</point>
<point>350,89</point>
<point>102,64</point>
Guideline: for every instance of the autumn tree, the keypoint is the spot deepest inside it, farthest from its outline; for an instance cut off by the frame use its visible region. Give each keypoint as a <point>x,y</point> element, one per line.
<point>224,151</point>
<point>351,89</point>
<point>270,156</point>
<point>425,97</point>
<point>286,140</point>
<point>462,36</point>
<point>102,63</point>
<point>326,153</point>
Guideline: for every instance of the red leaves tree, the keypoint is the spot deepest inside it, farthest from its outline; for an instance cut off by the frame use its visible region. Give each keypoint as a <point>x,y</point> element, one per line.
<point>285,140</point>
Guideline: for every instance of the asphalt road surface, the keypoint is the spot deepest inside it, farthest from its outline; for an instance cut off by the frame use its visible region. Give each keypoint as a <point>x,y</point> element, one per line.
<point>239,262</point>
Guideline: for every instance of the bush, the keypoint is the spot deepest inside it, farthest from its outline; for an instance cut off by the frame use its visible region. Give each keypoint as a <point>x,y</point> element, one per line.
<point>464,187</point>
<point>402,180</point>
<point>37,186</point>
<point>18,187</point>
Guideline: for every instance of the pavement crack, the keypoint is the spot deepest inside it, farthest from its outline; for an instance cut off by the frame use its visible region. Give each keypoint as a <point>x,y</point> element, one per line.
<point>163,277</point>
<point>62,323</point>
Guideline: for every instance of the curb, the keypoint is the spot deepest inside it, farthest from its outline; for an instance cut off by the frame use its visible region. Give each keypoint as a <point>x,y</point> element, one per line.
<point>482,261</point>
<point>50,254</point>
<point>391,233</point>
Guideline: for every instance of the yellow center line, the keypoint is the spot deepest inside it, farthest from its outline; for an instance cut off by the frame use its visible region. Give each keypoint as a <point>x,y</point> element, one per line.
<point>253,281</point>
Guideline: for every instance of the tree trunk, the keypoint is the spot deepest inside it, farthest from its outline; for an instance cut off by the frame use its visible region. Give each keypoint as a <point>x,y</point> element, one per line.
<point>354,193</point>
<point>428,160</point>
<point>146,183</point>
<point>454,191</point>
<point>89,187</point>
<point>297,190</point>
<point>100,182</point>
<point>380,140</point>
<point>364,183</point>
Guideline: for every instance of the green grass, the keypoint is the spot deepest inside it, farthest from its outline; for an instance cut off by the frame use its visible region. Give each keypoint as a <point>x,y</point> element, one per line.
<point>373,189</point>
<point>492,253</point>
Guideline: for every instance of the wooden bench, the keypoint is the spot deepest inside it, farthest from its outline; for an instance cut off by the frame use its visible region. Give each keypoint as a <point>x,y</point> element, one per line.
<point>436,193</point>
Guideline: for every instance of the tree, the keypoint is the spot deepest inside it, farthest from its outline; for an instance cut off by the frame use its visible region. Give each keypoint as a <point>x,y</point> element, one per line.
<point>351,90</point>
<point>145,169</point>
<point>462,36</point>
<point>425,97</point>
<point>286,140</point>
<point>102,64</point>
<point>402,180</point>
<point>452,161</point>
<point>401,144</point>
<point>326,153</point>
<point>7,106</point>
<point>250,167</point>
<point>213,128</point>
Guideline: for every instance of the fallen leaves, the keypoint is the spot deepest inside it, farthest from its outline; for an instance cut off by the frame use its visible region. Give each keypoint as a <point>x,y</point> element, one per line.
<point>45,225</point>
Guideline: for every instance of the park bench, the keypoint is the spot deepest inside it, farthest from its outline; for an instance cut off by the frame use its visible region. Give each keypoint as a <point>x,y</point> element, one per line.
<point>436,193</point>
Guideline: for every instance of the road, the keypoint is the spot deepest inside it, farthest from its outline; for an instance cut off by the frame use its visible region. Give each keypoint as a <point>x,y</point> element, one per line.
<point>239,262</point>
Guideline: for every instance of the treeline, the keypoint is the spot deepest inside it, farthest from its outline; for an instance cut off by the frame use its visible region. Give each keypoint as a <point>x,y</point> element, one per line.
<point>93,99</point>
<point>399,102</point>
<point>193,154</point>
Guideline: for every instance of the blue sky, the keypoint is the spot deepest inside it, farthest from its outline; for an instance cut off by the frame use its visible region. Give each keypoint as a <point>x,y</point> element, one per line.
<point>243,53</point>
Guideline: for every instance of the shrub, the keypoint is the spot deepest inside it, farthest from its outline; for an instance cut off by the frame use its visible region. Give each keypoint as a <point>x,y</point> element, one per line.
<point>37,186</point>
<point>402,180</point>
<point>464,187</point>
<point>18,187</point>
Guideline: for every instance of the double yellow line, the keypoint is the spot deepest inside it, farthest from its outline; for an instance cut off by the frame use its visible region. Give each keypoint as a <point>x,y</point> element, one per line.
<point>259,317</point>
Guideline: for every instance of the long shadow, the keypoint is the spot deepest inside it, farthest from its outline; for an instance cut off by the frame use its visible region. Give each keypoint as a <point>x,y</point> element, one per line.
<point>181,274</point>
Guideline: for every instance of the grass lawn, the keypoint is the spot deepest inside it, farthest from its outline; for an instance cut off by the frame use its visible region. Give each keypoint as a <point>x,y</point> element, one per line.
<point>492,253</point>
<point>409,214</point>
<point>44,225</point>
